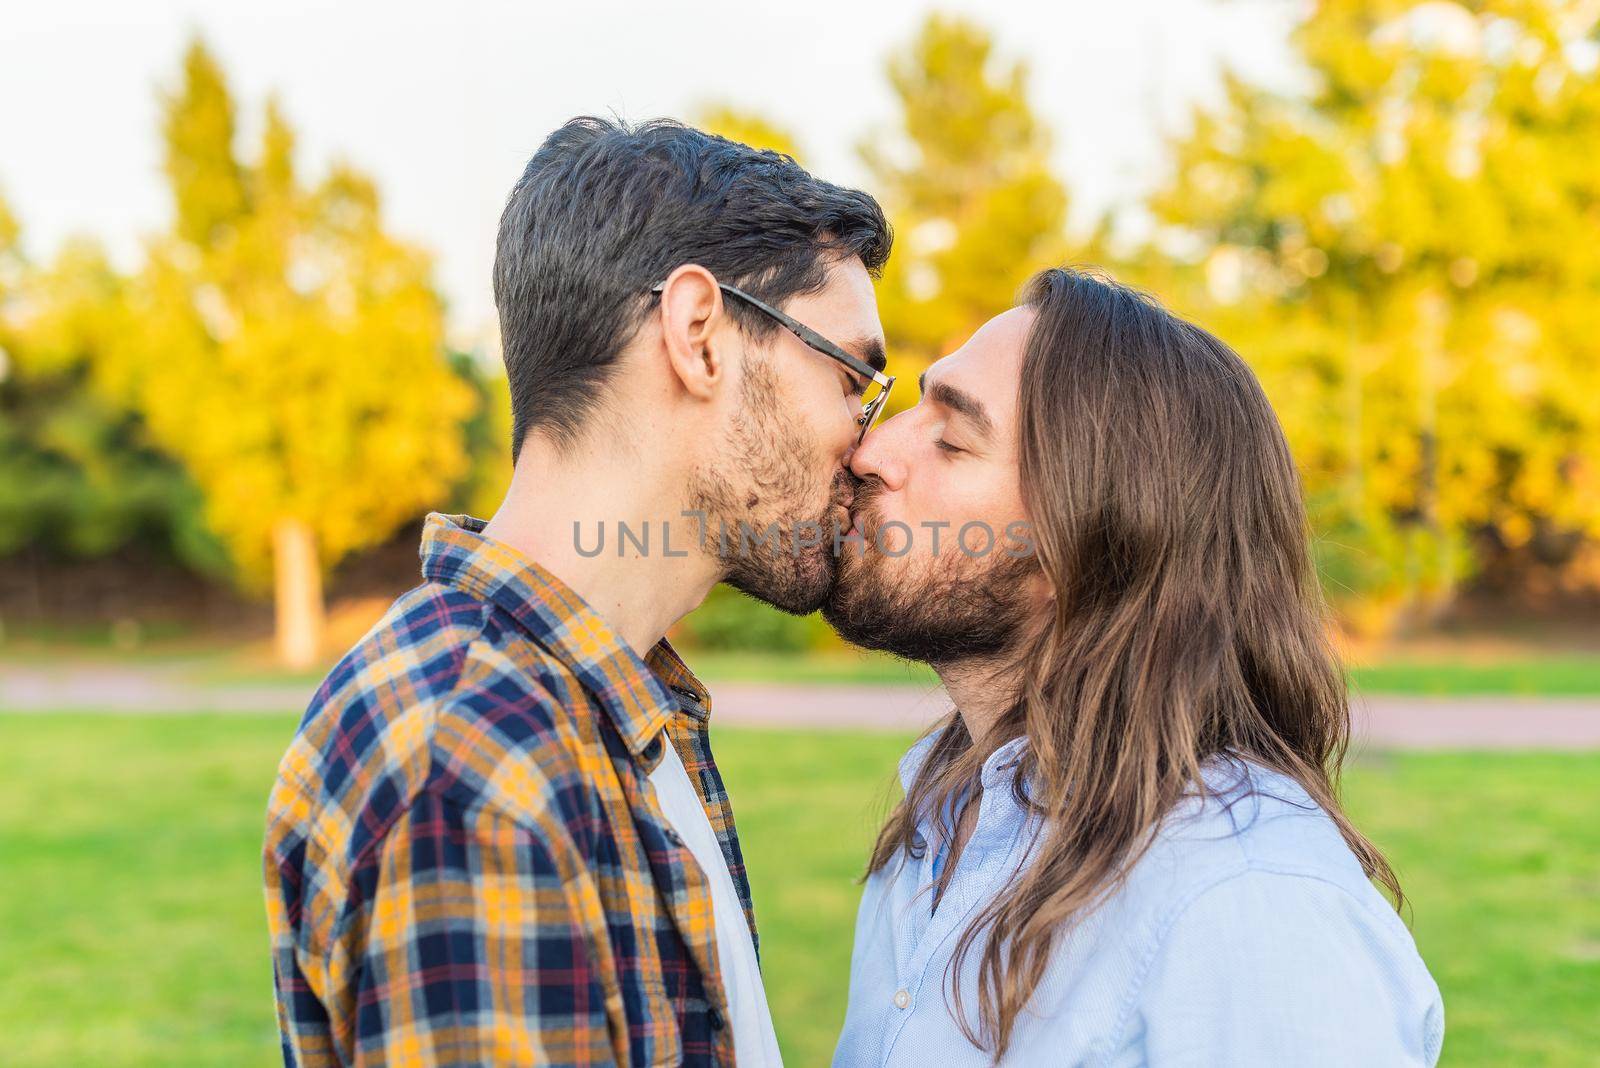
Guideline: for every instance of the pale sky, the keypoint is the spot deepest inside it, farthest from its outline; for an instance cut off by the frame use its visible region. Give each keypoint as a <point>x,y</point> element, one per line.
<point>443,103</point>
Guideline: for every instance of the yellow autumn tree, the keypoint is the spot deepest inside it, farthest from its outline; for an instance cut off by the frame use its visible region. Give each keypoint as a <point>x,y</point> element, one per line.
<point>288,351</point>
<point>965,178</point>
<point>1410,253</point>
<point>745,126</point>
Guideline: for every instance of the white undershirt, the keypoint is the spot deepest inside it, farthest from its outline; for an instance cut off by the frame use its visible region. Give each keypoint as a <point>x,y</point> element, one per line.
<point>755,1043</point>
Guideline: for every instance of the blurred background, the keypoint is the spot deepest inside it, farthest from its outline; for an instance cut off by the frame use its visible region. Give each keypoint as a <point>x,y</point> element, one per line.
<point>247,341</point>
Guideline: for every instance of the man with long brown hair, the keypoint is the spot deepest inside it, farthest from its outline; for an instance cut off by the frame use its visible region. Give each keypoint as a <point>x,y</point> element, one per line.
<point>1124,845</point>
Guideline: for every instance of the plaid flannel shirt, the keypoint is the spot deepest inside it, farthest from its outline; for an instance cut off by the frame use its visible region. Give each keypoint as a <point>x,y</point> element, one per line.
<point>464,861</point>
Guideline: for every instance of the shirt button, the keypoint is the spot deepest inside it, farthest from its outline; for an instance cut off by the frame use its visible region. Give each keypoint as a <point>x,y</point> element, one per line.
<point>902,999</point>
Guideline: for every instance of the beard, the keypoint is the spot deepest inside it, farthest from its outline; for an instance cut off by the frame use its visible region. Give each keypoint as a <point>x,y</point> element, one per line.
<point>764,482</point>
<point>938,609</point>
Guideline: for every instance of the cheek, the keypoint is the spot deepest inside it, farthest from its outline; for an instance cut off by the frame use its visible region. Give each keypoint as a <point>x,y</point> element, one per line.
<point>971,500</point>
<point>795,428</point>
<point>797,435</point>
<point>816,453</point>
<point>945,493</point>
<point>828,414</point>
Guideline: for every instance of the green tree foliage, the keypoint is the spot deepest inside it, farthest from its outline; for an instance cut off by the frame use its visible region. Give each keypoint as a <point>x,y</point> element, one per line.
<point>77,476</point>
<point>1409,252</point>
<point>487,436</point>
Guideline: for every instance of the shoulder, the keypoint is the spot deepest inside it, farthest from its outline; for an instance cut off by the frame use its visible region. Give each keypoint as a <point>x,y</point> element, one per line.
<point>1255,923</point>
<point>1251,888</point>
<point>1281,967</point>
<point>416,649</point>
<point>1249,866</point>
<point>1263,916</point>
<point>443,693</point>
<point>1246,819</point>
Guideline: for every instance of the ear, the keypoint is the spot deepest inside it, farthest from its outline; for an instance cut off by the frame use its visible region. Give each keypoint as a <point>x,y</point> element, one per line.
<point>692,317</point>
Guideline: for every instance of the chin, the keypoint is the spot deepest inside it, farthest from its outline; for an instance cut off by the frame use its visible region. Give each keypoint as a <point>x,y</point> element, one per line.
<point>937,615</point>
<point>797,585</point>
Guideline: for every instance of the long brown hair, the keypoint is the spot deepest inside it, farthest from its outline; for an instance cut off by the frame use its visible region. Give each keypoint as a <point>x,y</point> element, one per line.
<point>1186,622</point>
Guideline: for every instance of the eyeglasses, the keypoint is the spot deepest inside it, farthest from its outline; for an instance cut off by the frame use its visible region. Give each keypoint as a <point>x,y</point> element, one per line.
<point>871,401</point>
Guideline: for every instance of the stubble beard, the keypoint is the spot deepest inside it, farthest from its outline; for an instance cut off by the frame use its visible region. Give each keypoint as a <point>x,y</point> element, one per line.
<point>764,479</point>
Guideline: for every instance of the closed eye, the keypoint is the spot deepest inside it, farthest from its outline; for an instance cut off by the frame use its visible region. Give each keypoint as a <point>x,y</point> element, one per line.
<point>947,447</point>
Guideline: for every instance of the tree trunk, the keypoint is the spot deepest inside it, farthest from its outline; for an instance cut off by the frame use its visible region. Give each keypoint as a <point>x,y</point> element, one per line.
<point>298,589</point>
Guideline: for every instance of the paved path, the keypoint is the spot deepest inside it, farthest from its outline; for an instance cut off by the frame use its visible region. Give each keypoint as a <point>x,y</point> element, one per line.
<point>1382,722</point>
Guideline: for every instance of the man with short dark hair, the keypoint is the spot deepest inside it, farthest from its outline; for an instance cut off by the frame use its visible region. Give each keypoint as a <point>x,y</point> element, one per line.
<point>499,836</point>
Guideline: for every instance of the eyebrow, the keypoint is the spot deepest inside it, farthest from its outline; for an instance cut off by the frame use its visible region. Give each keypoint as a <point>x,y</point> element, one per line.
<point>958,401</point>
<point>869,350</point>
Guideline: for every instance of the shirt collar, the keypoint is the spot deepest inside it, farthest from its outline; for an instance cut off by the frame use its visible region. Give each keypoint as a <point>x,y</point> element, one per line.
<point>1000,767</point>
<point>637,693</point>
<point>1000,818</point>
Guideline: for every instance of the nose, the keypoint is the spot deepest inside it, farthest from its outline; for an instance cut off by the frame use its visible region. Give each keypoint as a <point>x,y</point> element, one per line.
<point>879,456</point>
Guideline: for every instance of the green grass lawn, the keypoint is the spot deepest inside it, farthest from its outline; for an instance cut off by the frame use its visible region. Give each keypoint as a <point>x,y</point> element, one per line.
<point>1523,671</point>
<point>1548,676</point>
<point>132,931</point>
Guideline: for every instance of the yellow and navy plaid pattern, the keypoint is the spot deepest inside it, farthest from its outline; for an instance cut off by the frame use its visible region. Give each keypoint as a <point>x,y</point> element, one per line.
<point>465,863</point>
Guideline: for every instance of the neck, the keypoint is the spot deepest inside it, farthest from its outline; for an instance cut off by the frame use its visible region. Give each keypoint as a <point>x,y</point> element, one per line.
<point>982,691</point>
<point>556,507</point>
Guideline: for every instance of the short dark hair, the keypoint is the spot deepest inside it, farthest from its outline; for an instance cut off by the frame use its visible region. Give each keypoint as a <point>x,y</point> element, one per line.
<point>605,210</point>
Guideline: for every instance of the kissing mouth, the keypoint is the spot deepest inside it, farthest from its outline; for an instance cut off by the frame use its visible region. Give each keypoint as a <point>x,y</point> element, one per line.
<point>863,518</point>
<point>844,491</point>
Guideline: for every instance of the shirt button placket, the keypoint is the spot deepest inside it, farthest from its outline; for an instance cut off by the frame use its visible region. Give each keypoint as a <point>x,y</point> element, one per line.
<point>902,999</point>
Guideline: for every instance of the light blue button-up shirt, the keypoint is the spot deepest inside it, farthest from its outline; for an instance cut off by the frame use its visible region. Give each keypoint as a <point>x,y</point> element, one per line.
<point>1247,935</point>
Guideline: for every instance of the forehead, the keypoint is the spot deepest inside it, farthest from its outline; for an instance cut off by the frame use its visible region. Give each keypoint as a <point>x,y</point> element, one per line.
<point>845,309</point>
<point>989,365</point>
